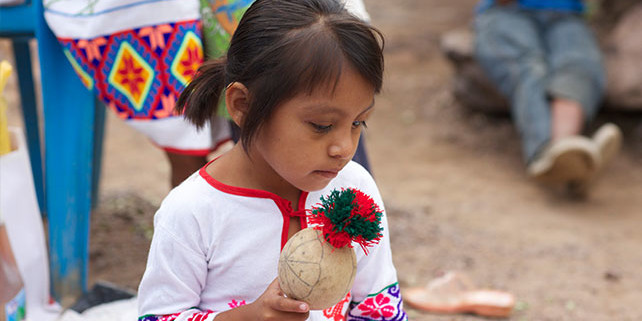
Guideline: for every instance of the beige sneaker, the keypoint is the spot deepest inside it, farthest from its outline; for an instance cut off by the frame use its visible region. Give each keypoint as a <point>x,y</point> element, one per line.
<point>566,160</point>
<point>608,139</point>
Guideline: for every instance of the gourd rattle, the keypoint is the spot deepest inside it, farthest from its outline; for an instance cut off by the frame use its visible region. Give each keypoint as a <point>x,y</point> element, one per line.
<point>317,264</point>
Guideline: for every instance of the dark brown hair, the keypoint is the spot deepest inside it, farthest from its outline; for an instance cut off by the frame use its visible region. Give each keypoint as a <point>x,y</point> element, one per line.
<point>282,48</point>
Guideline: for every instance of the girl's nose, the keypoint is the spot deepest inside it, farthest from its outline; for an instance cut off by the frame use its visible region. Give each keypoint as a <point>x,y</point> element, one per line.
<point>343,147</point>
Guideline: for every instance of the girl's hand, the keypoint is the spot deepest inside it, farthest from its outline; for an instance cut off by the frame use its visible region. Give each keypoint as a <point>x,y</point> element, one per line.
<point>273,305</point>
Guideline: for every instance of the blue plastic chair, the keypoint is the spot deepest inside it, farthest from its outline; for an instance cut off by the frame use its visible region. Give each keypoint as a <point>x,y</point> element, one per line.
<point>73,130</point>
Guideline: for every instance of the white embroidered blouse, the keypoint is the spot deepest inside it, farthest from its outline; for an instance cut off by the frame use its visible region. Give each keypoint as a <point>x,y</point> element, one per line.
<point>216,247</point>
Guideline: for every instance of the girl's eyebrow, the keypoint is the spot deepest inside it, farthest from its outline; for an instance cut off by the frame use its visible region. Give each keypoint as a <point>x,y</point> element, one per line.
<point>368,108</point>
<point>323,108</point>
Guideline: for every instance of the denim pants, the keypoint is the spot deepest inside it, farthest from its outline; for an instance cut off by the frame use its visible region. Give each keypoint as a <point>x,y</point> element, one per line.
<point>533,56</point>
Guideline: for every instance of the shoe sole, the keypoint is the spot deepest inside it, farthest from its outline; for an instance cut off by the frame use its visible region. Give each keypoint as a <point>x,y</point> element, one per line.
<point>573,159</point>
<point>486,303</point>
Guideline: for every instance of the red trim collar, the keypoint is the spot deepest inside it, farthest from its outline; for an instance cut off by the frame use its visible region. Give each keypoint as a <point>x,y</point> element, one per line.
<point>284,205</point>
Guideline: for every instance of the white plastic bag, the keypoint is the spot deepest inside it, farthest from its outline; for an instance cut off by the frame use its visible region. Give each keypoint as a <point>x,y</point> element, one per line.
<point>19,207</point>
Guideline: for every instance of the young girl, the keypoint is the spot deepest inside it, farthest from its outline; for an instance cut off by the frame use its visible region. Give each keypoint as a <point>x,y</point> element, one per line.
<point>299,79</point>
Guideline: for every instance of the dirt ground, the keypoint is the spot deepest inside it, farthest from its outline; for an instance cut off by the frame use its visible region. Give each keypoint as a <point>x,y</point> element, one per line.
<point>454,186</point>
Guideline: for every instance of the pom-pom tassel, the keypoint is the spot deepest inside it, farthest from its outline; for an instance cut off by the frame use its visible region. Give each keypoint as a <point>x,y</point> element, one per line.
<point>348,216</point>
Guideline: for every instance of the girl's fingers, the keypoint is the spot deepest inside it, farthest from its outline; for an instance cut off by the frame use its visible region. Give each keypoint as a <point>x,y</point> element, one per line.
<point>284,304</point>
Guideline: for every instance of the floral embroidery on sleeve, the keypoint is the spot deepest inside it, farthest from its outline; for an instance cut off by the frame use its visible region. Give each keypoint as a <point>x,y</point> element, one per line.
<point>201,316</point>
<point>236,304</point>
<point>197,316</point>
<point>168,317</point>
<point>338,312</point>
<point>385,305</point>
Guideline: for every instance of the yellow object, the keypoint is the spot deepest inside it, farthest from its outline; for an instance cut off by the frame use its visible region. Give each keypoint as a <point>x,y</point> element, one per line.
<point>5,143</point>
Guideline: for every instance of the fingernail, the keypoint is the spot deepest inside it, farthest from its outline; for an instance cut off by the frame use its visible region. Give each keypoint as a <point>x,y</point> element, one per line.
<point>303,307</point>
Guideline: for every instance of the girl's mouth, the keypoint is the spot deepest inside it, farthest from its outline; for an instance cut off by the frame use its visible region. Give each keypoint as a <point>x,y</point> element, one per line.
<point>327,174</point>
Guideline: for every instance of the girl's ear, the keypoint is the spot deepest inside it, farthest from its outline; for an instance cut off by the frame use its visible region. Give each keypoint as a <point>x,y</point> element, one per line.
<point>237,101</point>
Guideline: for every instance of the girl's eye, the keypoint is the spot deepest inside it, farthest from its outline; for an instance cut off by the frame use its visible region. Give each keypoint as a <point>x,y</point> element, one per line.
<point>357,123</point>
<point>321,128</point>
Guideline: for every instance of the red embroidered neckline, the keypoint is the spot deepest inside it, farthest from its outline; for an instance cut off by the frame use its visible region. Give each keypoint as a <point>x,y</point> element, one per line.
<point>284,205</point>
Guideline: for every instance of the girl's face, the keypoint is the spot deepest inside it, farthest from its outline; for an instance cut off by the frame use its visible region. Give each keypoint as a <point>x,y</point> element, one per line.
<point>310,138</point>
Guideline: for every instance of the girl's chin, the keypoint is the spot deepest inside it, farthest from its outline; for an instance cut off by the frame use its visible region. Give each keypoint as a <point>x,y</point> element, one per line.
<point>316,186</point>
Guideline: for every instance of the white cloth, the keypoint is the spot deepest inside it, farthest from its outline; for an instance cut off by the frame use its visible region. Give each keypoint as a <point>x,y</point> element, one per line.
<point>121,310</point>
<point>81,19</point>
<point>21,214</point>
<point>177,134</point>
<point>357,8</point>
<point>215,246</point>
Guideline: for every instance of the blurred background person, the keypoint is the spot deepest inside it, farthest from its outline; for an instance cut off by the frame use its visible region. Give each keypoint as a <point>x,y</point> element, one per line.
<point>543,57</point>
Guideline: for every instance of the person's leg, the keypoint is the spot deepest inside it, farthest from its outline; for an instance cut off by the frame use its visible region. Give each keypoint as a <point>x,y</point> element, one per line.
<point>509,49</point>
<point>510,46</point>
<point>567,118</point>
<point>182,166</point>
<point>577,82</point>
